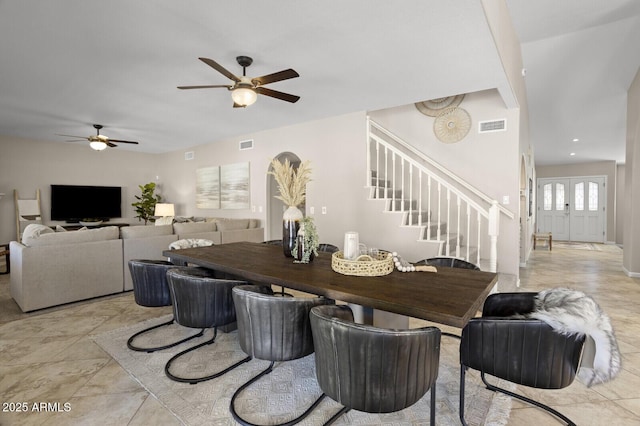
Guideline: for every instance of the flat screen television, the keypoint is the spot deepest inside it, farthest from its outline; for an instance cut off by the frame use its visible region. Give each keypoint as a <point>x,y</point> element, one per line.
<point>73,203</point>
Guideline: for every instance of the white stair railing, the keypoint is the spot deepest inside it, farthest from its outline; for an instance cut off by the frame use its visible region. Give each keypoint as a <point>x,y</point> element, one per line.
<point>396,171</point>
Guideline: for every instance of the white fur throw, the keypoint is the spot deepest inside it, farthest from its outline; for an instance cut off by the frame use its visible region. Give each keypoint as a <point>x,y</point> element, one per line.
<point>573,312</point>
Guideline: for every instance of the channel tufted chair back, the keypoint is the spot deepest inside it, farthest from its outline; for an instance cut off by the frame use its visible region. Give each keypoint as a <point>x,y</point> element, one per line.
<point>373,369</point>
<point>151,289</point>
<point>274,328</point>
<point>521,350</point>
<point>201,299</point>
<point>149,278</point>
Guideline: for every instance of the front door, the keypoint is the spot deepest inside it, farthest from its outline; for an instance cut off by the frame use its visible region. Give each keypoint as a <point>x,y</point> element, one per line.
<point>587,209</point>
<point>553,208</point>
<point>572,209</point>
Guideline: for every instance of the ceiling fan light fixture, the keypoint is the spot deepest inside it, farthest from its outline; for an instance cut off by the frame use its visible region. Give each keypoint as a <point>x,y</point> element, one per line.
<point>98,145</point>
<point>244,96</point>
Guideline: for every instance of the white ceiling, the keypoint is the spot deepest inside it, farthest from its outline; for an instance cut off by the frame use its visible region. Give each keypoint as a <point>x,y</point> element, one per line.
<point>67,64</point>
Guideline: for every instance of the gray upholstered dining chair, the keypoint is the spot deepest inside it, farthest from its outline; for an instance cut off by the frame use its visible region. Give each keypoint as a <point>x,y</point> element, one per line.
<point>524,351</point>
<point>201,299</point>
<point>274,329</point>
<point>150,289</point>
<point>449,261</point>
<point>328,248</point>
<point>371,369</point>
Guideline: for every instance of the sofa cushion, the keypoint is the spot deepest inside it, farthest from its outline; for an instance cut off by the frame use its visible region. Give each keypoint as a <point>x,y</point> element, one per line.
<point>233,224</point>
<point>145,231</point>
<point>182,219</point>
<point>33,231</point>
<point>193,227</point>
<point>74,237</point>
<point>166,220</point>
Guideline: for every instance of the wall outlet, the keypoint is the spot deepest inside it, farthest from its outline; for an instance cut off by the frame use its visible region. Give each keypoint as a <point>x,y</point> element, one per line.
<point>312,210</point>
<point>324,210</point>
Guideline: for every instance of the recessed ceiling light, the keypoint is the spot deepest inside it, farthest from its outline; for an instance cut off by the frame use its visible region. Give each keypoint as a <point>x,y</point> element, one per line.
<point>576,140</point>
<point>572,154</point>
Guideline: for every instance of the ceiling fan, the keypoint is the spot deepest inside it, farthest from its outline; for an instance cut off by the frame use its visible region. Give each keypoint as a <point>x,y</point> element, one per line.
<point>98,142</point>
<point>245,90</point>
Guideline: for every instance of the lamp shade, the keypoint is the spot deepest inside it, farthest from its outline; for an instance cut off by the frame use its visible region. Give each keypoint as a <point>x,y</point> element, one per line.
<point>244,96</point>
<point>164,210</point>
<point>98,145</point>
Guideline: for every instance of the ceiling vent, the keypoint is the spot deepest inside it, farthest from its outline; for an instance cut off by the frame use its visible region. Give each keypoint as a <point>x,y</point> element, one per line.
<point>492,126</point>
<point>189,155</point>
<point>248,144</point>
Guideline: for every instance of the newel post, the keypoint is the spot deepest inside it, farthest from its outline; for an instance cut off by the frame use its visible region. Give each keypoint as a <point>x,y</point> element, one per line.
<point>494,231</point>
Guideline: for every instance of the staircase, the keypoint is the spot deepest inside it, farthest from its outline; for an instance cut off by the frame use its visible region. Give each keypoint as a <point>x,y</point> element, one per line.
<point>444,210</point>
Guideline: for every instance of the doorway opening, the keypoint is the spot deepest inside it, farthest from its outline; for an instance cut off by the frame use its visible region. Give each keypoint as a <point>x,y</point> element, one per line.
<point>275,207</point>
<point>573,208</point>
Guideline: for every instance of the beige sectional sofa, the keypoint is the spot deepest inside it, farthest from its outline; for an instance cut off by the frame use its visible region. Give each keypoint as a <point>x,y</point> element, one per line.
<point>52,268</point>
<point>61,267</point>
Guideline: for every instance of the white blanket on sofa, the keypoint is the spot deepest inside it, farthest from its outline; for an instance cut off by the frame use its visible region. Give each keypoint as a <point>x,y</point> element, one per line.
<point>570,312</point>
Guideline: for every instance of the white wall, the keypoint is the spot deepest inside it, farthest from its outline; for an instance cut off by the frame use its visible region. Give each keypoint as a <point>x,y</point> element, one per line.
<point>337,151</point>
<point>28,165</point>
<point>335,146</point>
<point>490,161</point>
<point>619,205</point>
<point>631,255</point>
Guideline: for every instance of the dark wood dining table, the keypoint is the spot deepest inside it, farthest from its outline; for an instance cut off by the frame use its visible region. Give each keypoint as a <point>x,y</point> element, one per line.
<point>450,296</point>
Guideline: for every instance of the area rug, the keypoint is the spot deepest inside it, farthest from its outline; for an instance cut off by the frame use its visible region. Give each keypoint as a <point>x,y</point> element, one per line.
<point>287,391</point>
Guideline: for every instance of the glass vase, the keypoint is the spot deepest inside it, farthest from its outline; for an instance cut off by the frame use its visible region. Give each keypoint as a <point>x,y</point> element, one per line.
<point>290,226</point>
<point>303,249</point>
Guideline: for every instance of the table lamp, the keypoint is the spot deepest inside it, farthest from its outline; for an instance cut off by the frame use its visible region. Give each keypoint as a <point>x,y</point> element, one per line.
<point>166,212</point>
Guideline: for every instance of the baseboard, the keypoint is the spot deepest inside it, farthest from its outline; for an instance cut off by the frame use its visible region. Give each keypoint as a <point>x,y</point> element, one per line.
<point>631,274</point>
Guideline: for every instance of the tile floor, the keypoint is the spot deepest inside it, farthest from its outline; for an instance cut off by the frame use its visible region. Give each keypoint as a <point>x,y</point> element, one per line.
<point>48,356</point>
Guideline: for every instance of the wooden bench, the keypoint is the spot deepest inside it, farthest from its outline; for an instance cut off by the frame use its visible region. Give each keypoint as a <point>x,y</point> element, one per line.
<point>544,236</point>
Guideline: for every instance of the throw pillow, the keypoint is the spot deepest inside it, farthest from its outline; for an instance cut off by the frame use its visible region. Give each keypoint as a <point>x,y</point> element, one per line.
<point>60,228</point>
<point>167,220</point>
<point>33,231</point>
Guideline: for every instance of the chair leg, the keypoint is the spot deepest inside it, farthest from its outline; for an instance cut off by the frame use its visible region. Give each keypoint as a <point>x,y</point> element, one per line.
<point>194,380</point>
<point>528,400</point>
<point>432,414</point>
<point>337,415</point>
<point>463,370</point>
<point>266,371</point>
<point>131,346</point>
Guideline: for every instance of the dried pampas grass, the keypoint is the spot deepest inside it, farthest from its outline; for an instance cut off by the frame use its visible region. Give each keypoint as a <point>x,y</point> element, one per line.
<point>292,182</point>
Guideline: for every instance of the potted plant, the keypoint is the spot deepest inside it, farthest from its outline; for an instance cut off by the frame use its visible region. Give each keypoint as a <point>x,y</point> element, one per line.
<point>307,241</point>
<point>146,204</point>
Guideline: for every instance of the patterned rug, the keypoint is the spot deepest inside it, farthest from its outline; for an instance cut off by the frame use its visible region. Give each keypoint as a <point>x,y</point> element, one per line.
<point>287,391</point>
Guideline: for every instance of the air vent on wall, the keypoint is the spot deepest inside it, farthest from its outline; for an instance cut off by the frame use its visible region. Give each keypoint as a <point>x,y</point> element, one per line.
<point>248,144</point>
<point>189,155</point>
<point>492,126</point>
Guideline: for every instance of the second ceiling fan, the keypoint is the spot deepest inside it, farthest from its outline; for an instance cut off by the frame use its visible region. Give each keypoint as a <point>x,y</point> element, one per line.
<point>245,90</point>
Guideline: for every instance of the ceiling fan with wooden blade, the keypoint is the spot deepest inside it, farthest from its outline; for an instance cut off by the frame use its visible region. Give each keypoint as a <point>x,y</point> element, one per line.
<point>245,90</point>
<point>98,142</point>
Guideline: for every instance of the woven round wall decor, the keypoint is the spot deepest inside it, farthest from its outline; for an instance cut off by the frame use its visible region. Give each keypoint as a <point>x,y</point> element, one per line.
<point>452,125</point>
<point>434,107</point>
